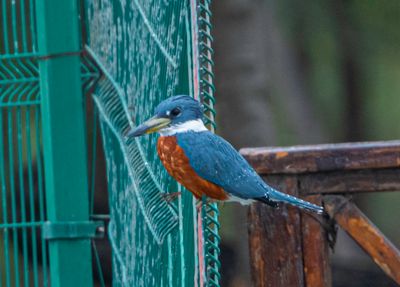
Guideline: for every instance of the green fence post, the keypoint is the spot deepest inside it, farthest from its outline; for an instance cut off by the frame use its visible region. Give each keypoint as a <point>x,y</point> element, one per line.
<point>64,145</point>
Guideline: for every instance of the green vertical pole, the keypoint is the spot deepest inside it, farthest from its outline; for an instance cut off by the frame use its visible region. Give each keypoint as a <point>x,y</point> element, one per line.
<point>64,145</point>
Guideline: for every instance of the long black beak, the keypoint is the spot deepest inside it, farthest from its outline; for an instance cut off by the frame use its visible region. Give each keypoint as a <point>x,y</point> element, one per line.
<point>150,126</point>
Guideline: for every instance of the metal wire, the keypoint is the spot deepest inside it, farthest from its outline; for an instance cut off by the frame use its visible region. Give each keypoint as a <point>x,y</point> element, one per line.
<point>90,76</point>
<point>23,252</point>
<point>207,89</point>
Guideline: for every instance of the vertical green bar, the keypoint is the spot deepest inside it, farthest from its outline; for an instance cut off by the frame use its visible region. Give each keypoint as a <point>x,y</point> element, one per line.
<point>64,144</point>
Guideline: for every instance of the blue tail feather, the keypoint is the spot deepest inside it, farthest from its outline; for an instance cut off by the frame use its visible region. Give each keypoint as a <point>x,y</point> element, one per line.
<point>276,196</point>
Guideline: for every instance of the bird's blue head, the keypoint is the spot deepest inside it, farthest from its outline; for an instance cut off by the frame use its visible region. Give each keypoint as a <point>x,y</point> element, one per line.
<point>178,113</point>
<point>179,109</point>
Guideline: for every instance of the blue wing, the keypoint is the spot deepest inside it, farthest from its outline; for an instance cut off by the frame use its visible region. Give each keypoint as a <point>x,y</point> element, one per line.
<point>215,160</point>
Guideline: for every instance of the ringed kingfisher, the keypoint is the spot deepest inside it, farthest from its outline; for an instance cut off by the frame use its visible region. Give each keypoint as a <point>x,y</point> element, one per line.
<point>203,162</point>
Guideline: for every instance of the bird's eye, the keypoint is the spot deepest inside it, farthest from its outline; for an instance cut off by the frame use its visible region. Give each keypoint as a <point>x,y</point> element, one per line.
<point>175,112</point>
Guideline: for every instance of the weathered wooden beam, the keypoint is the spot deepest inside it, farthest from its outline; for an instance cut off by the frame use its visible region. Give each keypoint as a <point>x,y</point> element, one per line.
<point>315,248</point>
<point>376,180</point>
<point>275,242</point>
<point>345,182</point>
<point>324,158</point>
<point>365,233</point>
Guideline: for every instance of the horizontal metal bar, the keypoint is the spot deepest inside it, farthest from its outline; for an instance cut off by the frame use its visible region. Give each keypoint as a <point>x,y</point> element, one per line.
<point>21,224</point>
<point>73,230</point>
<point>63,230</point>
<point>100,217</point>
<point>24,80</point>
<point>21,103</point>
<point>17,55</point>
<point>18,80</point>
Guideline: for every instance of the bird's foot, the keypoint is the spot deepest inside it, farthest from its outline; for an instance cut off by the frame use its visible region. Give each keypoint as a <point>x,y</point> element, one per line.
<point>169,197</point>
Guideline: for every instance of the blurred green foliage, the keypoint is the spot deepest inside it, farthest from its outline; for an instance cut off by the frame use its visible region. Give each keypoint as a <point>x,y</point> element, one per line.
<point>324,34</point>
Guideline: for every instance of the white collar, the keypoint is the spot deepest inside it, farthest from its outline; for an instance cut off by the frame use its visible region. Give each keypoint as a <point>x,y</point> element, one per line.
<point>194,126</point>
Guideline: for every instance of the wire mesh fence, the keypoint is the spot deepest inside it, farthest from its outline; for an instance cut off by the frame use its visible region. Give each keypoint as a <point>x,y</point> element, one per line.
<point>23,251</point>
<point>138,53</point>
<point>152,241</point>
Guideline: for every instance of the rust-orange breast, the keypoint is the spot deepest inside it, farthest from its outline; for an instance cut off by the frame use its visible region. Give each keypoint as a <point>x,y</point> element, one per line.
<point>177,164</point>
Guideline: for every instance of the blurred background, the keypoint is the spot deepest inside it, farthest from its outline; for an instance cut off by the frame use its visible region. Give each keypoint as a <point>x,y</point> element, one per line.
<point>299,72</point>
<point>304,72</point>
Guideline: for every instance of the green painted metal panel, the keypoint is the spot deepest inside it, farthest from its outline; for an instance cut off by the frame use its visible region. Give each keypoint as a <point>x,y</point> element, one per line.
<point>23,252</point>
<point>64,144</point>
<point>148,51</point>
<point>145,51</point>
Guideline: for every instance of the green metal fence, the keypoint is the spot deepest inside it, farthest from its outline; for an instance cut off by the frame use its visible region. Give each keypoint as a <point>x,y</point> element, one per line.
<point>133,55</point>
<point>22,208</point>
<point>45,228</point>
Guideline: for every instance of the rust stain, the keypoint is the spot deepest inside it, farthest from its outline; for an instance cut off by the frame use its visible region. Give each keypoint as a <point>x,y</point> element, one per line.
<point>281,154</point>
<point>371,240</point>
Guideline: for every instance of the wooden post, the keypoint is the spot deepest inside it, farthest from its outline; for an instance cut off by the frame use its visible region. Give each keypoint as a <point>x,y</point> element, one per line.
<point>317,270</point>
<point>275,241</point>
<point>289,247</point>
